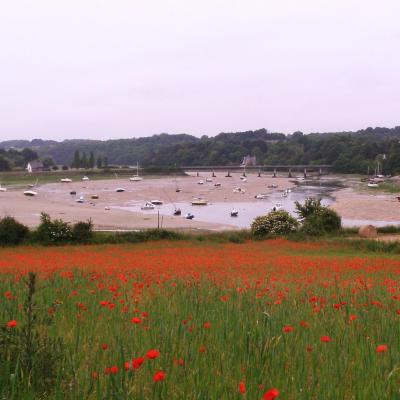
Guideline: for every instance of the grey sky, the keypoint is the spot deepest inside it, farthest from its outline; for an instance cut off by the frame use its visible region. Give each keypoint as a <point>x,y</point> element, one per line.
<point>114,68</point>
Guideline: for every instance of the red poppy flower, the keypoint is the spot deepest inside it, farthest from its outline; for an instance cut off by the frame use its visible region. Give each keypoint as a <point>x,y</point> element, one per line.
<point>137,362</point>
<point>136,320</point>
<point>382,348</point>
<point>242,388</point>
<point>12,323</point>
<point>104,346</point>
<point>152,354</point>
<point>207,325</point>
<point>352,317</point>
<point>159,376</point>
<point>325,339</point>
<point>272,394</point>
<point>288,329</point>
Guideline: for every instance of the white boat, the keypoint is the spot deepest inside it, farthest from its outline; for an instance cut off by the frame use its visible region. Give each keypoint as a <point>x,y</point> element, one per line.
<point>239,190</point>
<point>234,212</point>
<point>284,194</point>
<point>177,211</point>
<point>66,180</point>
<point>85,178</point>
<point>119,190</point>
<point>147,206</point>
<point>107,208</point>
<point>189,216</point>
<point>80,200</point>
<point>261,196</point>
<point>209,180</point>
<point>156,202</point>
<point>199,202</point>
<point>3,189</point>
<point>372,185</point>
<point>200,182</point>
<point>136,178</point>
<point>278,206</point>
<point>243,179</point>
<point>30,193</point>
<point>272,186</point>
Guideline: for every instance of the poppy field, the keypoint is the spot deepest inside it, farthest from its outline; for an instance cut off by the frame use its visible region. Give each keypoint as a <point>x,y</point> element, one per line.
<point>199,320</point>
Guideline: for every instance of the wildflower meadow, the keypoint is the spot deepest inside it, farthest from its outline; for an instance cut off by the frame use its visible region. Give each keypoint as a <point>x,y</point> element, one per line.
<point>199,320</point>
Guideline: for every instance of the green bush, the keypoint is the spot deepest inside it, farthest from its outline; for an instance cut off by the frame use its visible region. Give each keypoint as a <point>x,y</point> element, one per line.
<point>82,232</point>
<point>309,208</point>
<point>317,219</point>
<point>275,223</point>
<point>53,231</point>
<point>12,232</point>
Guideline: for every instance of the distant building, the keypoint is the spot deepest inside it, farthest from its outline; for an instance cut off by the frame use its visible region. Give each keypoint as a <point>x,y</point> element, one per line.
<point>249,161</point>
<point>35,166</point>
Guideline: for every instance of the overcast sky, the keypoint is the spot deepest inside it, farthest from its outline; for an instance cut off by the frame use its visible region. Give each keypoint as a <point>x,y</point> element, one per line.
<point>115,68</point>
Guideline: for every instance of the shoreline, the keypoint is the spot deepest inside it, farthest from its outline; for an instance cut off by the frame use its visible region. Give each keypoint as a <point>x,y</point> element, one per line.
<point>55,199</point>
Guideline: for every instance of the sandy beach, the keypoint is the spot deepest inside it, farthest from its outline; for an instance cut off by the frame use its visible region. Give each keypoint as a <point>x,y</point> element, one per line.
<point>352,205</point>
<point>56,200</point>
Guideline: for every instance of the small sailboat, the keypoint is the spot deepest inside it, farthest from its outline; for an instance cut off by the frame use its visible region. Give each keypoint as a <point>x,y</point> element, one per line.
<point>157,202</point>
<point>85,178</point>
<point>30,193</point>
<point>272,186</point>
<point>372,185</point>
<point>2,189</point>
<point>243,179</point>
<point>136,178</point>
<point>66,180</point>
<point>177,211</point>
<point>201,182</point>
<point>80,200</point>
<point>199,202</point>
<point>261,196</point>
<point>189,216</point>
<point>147,206</point>
<point>234,212</point>
<point>209,180</point>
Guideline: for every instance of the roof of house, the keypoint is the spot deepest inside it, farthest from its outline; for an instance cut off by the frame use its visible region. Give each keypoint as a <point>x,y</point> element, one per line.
<point>36,164</point>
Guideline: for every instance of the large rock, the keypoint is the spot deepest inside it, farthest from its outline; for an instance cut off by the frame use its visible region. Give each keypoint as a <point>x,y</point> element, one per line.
<point>368,231</point>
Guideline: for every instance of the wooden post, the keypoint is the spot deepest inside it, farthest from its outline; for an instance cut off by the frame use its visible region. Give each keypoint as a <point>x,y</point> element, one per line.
<point>274,176</point>
<point>290,173</point>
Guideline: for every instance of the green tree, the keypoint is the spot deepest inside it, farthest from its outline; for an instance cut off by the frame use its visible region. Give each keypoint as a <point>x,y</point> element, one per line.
<point>91,160</point>
<point>84,161</point>
<point>76,163</point>
<point>99,162</point>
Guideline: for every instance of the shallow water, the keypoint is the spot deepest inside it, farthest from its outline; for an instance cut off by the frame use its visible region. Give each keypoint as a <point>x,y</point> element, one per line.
<point>220,212</point>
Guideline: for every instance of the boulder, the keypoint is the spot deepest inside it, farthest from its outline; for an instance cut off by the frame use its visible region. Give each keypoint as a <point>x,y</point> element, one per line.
<point>368,231</point>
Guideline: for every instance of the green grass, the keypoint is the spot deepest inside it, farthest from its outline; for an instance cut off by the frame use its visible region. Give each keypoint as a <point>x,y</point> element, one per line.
<point>247,292</point>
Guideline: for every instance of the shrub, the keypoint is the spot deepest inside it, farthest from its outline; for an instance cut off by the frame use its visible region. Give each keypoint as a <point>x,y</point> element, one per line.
<point>12,232</point>
<point>275,223</point>
<point>316,218</point>
<point>309,208</point>
<point>53,231</point>
<point>82,232</point>
<point>323,221</point>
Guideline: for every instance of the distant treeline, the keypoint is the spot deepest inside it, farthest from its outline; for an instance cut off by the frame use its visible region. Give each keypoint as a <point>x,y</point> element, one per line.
<point>347,152</point>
